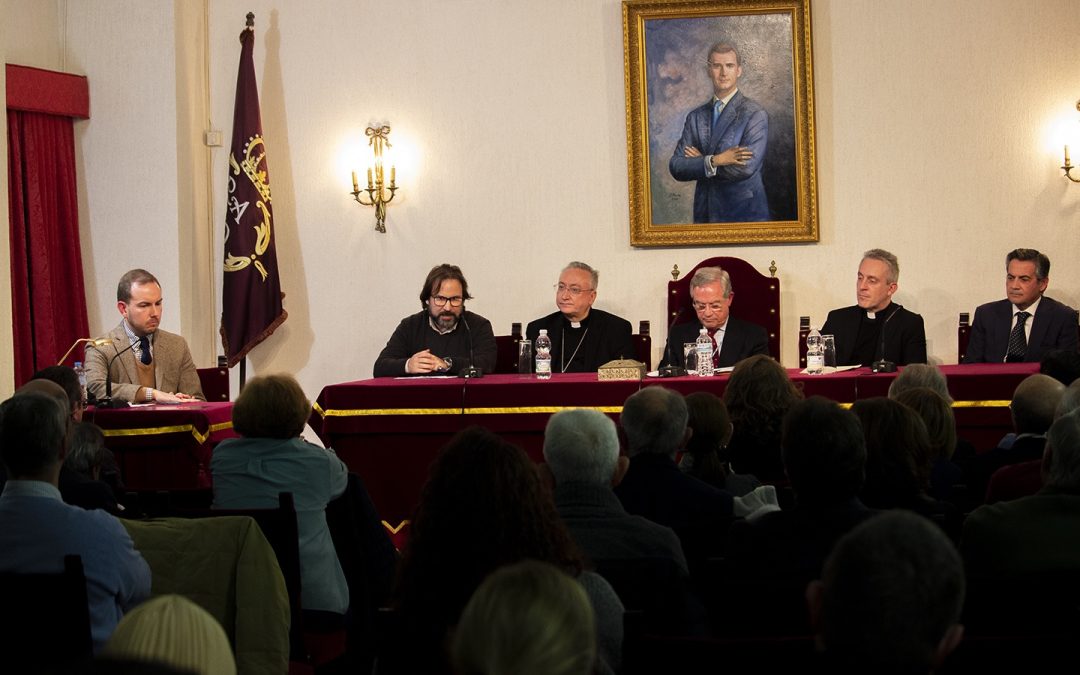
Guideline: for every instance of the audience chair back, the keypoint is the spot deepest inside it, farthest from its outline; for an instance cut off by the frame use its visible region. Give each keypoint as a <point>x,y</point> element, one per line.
<point>757,297</point>
<point>45,622</point>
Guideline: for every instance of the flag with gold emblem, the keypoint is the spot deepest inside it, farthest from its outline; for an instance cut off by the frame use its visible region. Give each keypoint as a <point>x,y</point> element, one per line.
<point>251,290</point>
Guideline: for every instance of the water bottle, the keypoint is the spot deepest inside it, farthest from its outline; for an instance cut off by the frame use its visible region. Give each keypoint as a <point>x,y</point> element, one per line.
<point>704,354</point>
<point>543,356</point>
<point>815,353</point>
<point>81,373</point>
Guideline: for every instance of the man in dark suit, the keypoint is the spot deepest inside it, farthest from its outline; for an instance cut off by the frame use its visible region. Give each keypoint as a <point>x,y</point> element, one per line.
<point>723,147</point>
<point>582,338</point>
<point>733,340</point>
<point>154,366</point>
<point>876,329</point>
<point>1001,330</point>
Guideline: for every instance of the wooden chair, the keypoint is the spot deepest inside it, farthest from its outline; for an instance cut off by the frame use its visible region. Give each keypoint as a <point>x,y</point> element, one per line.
<point>215,383</point>
<point>506,350</point>
<point>804,332</point>
<point>643,344</point>
<point>757,297</point>
<point>46,619</point>
<point>963,335</point>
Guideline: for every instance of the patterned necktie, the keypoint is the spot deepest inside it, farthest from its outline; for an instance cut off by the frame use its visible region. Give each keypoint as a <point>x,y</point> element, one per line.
<point>144,350</point>
<point>715,351</point>
<point>718,107</point>
<point>1017,339</point>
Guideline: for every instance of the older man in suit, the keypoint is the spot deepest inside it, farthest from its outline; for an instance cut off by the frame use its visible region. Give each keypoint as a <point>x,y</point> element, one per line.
<point>733,340</point>
<point>1001,330</point>
<point>723,147</point>
<point>154,366</point>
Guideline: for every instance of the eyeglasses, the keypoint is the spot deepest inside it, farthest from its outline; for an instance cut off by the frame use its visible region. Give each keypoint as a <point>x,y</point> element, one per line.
<point>701,306</point>
<point>574,290</point>
<point>441,300</point>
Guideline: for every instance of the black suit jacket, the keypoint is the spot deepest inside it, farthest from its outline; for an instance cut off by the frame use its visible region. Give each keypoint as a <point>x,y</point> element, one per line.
<point>741,339</point>
<point>609,337</point>
<point>905,337</point>
<point>1054,326</point>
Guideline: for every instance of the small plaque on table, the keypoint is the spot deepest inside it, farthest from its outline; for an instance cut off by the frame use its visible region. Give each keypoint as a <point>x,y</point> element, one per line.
<point>621,369</point>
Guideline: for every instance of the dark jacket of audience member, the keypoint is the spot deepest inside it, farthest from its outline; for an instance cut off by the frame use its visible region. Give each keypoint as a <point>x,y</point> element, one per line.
<point>825,457</point>
<point>706,455</point>
<point>483,506</point>
<point>757,397</point>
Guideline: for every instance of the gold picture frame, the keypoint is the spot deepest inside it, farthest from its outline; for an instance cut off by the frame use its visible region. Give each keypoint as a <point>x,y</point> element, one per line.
<point>766,191</point>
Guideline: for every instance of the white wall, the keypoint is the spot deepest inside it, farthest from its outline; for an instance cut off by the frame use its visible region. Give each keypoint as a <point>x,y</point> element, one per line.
<point>934,126</point>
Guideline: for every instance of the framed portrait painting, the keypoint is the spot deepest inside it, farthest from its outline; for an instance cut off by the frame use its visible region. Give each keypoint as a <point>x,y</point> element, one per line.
<point>720,122</point>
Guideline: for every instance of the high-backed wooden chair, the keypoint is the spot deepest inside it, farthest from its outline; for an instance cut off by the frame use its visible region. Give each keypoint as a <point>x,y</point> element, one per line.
<point>963,334</point>
<point>757,297</point>
<point>506,350</point>
<point>46,619</point>
<point>643,344</point>
<point>214,383</point>
<point>804,332</point>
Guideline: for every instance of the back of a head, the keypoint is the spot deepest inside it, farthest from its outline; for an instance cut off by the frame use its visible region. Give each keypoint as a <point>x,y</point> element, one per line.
<point>1061,468</point>
<point>33,431</point>
<point>824,453</point>
<point>708,418</point>
<point>921,375</point>
<point>1034,402</point>
<point>1061,364</point>
<point>898,455</point>
<point>893,588</point>
<point>1070,400</point>
<point>87,451</point>
<point>654,420</point>
<point>173,630</point>
<point>581,446</point>
<point>759,383</point>
<point>271,406</point>
<point>529,618</point>
<point>936,414</point>
<point>66,378</point>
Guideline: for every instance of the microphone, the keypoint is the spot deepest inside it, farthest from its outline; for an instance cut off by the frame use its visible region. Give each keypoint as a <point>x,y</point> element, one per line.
<point>670,369</point>
<point>108,401</point>
<point>471,372</point>
<point>882,365</point>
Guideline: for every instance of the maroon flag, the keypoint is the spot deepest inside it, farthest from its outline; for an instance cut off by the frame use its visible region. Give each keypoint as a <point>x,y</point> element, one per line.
<point>251,290</point>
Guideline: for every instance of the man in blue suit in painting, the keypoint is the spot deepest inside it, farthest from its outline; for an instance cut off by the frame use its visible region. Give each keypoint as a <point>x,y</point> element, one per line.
<point>723,147</point>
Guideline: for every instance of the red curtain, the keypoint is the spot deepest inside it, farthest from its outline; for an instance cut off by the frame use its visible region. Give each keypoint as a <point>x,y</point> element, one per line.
<point>48,298</point>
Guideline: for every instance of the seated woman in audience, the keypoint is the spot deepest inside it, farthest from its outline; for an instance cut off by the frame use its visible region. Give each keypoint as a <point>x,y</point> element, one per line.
<point>898,462</point>
<point>484,506</point>
<point>271,458</point>
<point>80,477</point>
<point>529,618</point>
<point>946,478</point>
<point>758,395</point>
<point>706,454</point>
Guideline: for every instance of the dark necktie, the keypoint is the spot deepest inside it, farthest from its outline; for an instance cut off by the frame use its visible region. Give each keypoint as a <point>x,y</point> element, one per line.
<point>715,350</point>
<point>144,350</point>
<point>1017,339</point>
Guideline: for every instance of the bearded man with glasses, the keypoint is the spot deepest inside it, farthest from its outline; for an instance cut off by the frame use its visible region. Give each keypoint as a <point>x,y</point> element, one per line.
<point>582,338</point>
<point>733,339</point>
<point>443,337</point>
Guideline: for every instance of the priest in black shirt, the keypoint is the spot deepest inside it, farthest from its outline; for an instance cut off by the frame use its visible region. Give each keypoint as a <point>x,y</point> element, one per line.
<point>582,338</point>
<point>875,328</point>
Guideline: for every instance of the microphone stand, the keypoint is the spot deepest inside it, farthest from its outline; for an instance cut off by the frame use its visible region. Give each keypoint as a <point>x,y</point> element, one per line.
<point>670,369</point>
<point>882,365</point>
<point>108,401</point>
<point>470,372</point>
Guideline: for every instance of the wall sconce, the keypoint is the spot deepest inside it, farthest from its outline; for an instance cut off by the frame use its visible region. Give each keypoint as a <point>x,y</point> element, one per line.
<point>377,136</point>
<point>1067,167</point>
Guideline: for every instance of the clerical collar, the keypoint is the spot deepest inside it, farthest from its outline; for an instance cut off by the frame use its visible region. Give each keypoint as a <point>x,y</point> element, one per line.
<point>584,323</point>
<point>873,315</point>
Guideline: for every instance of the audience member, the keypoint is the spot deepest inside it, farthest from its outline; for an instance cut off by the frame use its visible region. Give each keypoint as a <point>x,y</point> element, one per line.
<point>1033,405</point>
<point>483,506</point>
<point>173,630</point>
<point>1037,533</point>
<point>918,375</point>
<point>1061,364</point>
<point>529,618</point>
<point>825,457</point>
<point>757,396</point>
<point>946,478</point>
<point>890,598</point>
<point>37,529</point>
<point>705,456</point>
<point>899,460</point>
<point>80,482</point>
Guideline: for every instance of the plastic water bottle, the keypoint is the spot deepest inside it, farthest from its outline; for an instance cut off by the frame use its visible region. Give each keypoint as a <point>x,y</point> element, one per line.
<point>815,353</point>
<point>81,373</point>
<point>543,356</point>
<point>704,354</point>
